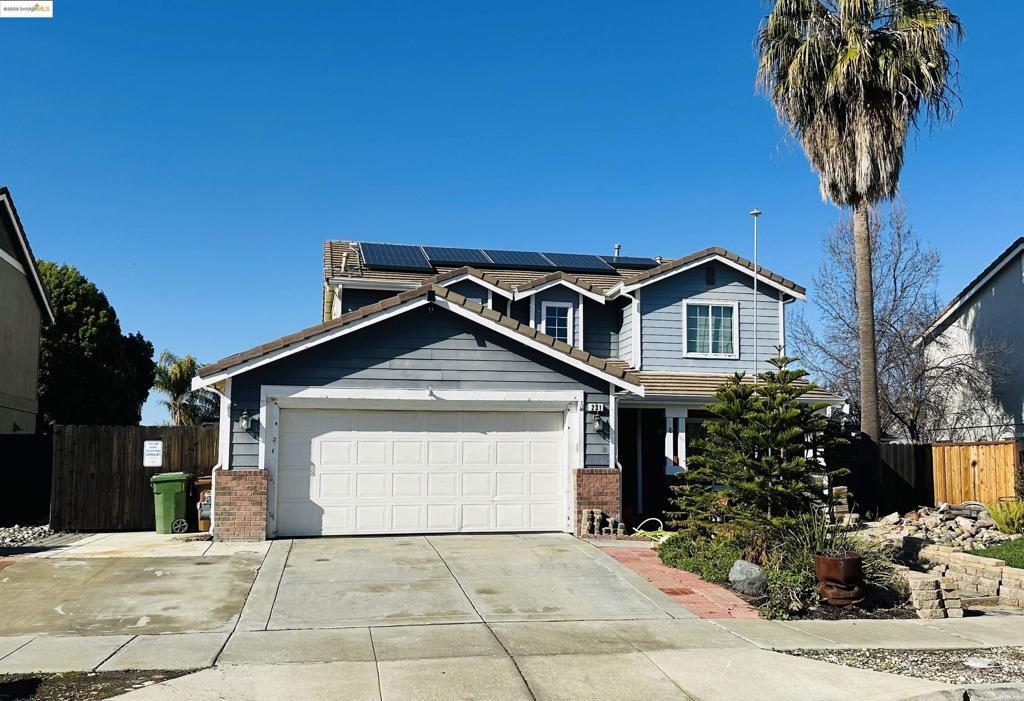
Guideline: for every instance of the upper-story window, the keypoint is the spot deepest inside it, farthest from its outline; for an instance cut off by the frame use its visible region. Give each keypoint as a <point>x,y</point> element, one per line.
<point>556,320</point>
<point>711,330</point>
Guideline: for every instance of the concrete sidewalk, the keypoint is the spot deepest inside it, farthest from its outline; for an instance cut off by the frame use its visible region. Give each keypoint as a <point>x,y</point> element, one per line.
<point>26,654</point>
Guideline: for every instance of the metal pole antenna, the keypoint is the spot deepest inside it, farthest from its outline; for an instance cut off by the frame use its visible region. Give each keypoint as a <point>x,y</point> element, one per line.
<point>755,213</point>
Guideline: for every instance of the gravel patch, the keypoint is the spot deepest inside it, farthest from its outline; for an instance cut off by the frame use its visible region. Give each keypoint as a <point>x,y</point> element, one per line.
<point>994,665</point>
<point>16,536</point>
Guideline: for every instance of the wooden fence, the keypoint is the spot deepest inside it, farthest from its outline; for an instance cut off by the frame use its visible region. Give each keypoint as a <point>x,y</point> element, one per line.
<point>985,472</point>
<point>99,482</point>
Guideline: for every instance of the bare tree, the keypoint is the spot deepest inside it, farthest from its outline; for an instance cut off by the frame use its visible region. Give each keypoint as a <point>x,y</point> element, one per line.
<point>926,391</point>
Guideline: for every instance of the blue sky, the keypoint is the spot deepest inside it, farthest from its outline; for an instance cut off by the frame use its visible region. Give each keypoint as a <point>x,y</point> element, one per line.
<point>191,157</point>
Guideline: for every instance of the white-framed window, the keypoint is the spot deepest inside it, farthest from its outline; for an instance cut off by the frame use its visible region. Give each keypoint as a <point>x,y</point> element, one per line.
<point>711,329</point>
<point>556,320</point>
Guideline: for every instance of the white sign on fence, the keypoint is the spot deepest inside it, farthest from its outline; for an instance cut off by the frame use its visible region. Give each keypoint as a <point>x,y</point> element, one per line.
<point>152,453</point>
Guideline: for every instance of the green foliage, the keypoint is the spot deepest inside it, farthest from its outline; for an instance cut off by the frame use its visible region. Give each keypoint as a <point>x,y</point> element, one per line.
<point>1008,515</point>
<point>757,463</point>
<point>786,552</point>
<point>704,553</point>
<point>851,78</point>
<point>789,564</point>
<point>1012,552</point>
<point>186,407</point>
<point>89,372</point>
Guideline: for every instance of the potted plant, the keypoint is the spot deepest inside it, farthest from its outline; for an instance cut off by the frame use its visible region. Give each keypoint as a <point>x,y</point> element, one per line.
<point>840,576</point>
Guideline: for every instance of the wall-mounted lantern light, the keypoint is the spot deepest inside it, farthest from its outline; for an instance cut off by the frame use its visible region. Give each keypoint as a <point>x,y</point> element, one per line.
<point>245,421</point>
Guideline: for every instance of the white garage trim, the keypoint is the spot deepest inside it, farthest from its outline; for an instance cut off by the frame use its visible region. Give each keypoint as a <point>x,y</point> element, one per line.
<point>273,398</point>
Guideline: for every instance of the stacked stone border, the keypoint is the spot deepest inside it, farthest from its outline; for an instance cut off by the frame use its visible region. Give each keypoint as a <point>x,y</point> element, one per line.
<point>974,575</point>
<point>239,504</point>
<point>933,596</point>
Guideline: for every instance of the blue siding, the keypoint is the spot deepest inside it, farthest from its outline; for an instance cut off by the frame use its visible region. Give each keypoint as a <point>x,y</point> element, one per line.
<point>661,309</point>
<point>601,328</point>
<point>416,350</point>
<point>626,332</point>
<point>471,290</point>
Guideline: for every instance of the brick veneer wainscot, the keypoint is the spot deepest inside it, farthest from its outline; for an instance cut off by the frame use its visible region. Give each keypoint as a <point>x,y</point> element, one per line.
<point>239,504</point>
<point>596,488</point>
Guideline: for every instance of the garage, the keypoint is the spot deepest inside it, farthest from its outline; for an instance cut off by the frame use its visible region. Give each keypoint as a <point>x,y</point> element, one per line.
<point>388,471</point>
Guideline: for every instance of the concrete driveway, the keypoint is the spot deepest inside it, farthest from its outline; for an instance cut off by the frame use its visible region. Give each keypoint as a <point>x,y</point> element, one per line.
<point>438,617</point>
<point>448,579</point>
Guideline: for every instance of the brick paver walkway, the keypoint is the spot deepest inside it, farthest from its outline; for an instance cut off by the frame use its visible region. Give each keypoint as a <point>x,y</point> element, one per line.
<point>702,598</point>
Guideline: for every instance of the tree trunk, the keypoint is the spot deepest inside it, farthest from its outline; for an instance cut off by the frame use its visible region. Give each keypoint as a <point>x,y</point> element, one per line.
<point>870,421</point>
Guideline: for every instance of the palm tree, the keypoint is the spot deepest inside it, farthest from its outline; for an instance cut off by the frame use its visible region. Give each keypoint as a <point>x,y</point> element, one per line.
<point>850,78</point>
<point>174,378</point>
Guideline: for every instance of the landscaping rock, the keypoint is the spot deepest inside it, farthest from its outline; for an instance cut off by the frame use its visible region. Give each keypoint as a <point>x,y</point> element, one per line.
<point>747,578</point>
<point>964,527</point>
<point>15,536</point>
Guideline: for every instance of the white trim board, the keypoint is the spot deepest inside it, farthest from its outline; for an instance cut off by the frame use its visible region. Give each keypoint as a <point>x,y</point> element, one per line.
<point>969,293</point>
<point>31,272</point>
<point>8,258</point>
<point>622,287</point>
<point>331,334</point>
<point>478,280</point>
<point>570,320</point>
<point>597,297</point>
<point>362,283</point>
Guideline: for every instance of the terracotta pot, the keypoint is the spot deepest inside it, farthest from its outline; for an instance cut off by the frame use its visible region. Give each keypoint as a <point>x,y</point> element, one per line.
<point>840,578</point>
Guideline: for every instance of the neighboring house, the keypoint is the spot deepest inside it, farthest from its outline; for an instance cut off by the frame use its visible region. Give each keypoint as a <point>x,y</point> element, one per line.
<point>466,390</point>
<point>988,313</point>
<point>24,307</point>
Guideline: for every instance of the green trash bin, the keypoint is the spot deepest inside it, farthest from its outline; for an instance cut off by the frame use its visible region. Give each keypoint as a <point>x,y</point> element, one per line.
<point>170,496</point>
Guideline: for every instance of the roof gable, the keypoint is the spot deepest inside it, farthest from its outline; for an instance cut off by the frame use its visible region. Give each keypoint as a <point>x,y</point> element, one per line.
<point>611,371</point>
<point>963,296</point>
<point>716,253</point>
<point>14,247</point>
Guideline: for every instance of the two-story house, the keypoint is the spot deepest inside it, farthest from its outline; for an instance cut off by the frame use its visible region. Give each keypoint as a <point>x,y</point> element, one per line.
<point>466,390</point>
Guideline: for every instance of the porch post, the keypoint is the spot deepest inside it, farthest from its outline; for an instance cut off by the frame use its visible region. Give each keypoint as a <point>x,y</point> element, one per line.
<point>675,440</point>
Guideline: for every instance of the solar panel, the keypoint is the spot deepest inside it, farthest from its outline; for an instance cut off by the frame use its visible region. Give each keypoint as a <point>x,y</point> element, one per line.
<point>577,262</point>
<point>630,262</point>
<point>520,259</point>
<point>389,256</point>
<point>440,255</point>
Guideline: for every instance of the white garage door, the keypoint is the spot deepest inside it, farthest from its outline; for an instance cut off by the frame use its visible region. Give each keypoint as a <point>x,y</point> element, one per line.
<point>361,471</point>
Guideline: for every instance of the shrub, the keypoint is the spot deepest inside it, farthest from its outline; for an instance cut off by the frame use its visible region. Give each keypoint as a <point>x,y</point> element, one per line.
<point>707,554</point>
<point>1008,515</point>
<point>759,462</point>
<point>789,564</point>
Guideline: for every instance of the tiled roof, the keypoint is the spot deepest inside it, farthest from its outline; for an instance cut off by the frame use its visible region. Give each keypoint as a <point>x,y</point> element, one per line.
<point>614,368</point>
<point>680,384</point>
<point>341,259</point>
<point>714,251</point>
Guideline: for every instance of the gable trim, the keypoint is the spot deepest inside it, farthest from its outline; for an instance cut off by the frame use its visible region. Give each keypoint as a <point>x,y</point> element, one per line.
<point>597,297</point>
<point>625,287</point>
<point>199,382</point>
<point>966,294</point>
<point>490,287</point>
<point>30,269</point>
